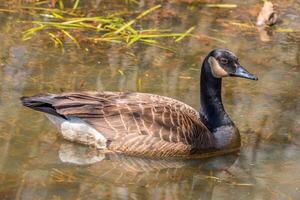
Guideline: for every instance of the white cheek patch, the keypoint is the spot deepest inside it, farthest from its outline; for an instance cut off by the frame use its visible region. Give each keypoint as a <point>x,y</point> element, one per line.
<point>216,69</point>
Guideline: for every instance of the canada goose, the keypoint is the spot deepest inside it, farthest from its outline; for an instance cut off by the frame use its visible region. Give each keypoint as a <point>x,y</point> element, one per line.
<point>148,124</point>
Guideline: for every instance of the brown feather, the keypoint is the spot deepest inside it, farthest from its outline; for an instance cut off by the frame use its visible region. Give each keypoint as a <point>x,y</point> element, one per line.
<point>138,123</point>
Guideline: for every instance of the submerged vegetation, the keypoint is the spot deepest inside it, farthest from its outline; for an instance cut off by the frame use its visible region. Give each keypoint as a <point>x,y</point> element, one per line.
<point>64,21</point>
<point>61,24</point>
<point>99,29</point>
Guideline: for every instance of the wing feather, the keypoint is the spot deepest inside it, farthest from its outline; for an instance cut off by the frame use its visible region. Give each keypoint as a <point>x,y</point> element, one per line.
<point>117,114</point>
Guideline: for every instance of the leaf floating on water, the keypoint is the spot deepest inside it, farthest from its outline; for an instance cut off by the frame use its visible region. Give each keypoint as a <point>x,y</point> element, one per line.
<point>132,1</point>
<point>213,178</point>
<point>121,72</point>
<point>185,77</point>
<point>285,30</point>
<point>267,15</point>
<point>242,184</point>
<point>218,5</point>
<point>7,10</point>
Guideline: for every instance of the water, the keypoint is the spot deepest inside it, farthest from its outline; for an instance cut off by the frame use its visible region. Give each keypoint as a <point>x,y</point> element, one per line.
<point>36,163</point>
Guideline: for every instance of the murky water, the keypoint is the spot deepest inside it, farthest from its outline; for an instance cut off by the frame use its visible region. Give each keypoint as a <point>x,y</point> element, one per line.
<point>36,163</point>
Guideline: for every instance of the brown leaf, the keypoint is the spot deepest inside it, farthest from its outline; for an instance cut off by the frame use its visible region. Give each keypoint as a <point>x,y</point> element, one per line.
<point>267,15</point>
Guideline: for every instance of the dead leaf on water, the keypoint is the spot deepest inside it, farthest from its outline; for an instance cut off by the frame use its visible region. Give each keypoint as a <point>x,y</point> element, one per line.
<point>267,15</point>
<point>185,77</point>
<point>121,72</point>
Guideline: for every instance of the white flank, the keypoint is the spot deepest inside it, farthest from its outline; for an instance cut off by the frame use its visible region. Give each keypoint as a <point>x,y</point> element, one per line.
<point>76,130</point>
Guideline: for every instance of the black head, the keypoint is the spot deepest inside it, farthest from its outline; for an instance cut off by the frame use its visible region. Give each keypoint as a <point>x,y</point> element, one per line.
<point>224,63</point>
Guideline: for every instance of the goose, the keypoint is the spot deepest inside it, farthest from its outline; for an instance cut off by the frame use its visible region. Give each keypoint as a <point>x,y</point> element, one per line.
<point>142,124</point>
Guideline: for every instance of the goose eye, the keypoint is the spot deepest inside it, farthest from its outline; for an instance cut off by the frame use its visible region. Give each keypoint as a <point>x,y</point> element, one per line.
<point>224,61</point>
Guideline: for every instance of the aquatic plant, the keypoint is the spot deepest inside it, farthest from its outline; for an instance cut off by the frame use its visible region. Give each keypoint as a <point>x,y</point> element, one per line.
<point>60,24</point>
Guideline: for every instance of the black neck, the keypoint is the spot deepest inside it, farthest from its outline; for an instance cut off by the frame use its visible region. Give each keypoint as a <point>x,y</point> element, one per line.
<point>212,111</point>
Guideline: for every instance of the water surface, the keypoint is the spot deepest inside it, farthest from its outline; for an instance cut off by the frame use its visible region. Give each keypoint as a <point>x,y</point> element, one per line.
<point>36,163</point>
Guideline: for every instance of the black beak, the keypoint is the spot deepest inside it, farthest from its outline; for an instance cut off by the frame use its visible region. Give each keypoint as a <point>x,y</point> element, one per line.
<point>242,72</point>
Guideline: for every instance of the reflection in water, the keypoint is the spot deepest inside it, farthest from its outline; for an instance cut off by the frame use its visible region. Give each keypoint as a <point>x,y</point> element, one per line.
<point>264,34</point>
<point>70,153</point>
<point>36,164</point>
<point>124,174</point>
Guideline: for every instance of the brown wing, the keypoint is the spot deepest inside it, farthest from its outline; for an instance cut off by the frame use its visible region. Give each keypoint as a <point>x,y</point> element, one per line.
<point>137,121</point>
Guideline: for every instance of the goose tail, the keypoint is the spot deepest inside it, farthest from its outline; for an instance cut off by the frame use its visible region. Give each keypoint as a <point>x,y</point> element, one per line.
<point>41,103</point>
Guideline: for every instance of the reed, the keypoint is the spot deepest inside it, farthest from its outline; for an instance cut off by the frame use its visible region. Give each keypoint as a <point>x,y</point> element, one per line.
<point>61,24</point>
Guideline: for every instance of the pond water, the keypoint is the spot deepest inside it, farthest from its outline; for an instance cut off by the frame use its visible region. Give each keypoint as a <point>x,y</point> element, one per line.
<point>36,163</point>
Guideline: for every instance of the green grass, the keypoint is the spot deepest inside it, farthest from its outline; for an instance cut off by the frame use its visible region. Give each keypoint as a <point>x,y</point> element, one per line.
<point>60,24</point>
<point>63,24</point>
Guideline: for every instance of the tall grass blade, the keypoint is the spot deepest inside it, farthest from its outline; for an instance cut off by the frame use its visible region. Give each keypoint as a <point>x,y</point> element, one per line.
<point>61,4</point>
<point>76,4</point>
<point>57,41</point>
<point>185,34</point>
<point>220,5</point>
<point>71,37</point>
<point>148,11</point>
<point>137,18</point>
<point>112,28</point>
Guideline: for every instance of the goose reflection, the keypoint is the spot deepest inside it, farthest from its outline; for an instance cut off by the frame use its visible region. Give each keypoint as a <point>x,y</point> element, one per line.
<point>81,155</point>
<point>126,175</point>
<point>79,172</point>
